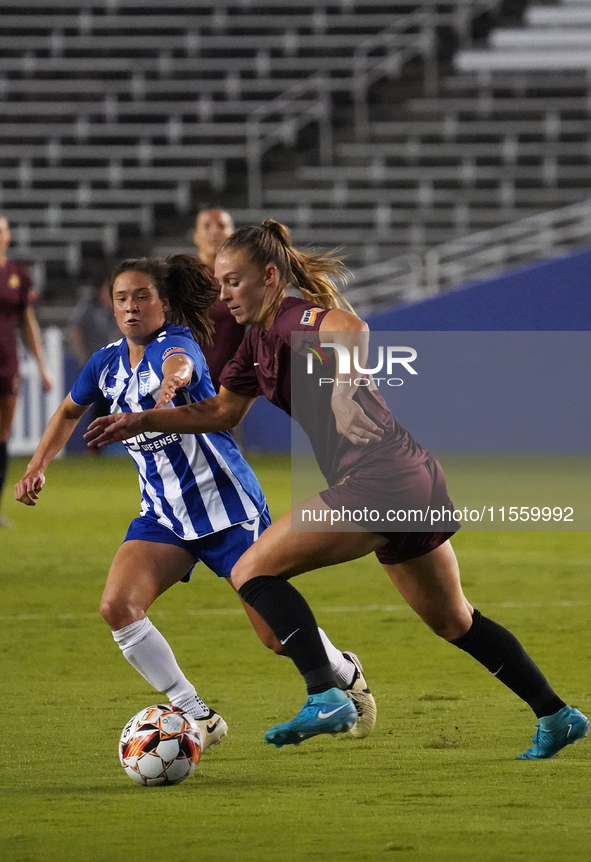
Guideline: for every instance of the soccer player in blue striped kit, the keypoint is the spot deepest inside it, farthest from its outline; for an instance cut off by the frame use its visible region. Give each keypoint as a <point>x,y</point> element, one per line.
<point>200,499</point>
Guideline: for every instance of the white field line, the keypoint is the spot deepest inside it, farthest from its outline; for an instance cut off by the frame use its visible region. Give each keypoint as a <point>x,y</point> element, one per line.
<point>326,609</point>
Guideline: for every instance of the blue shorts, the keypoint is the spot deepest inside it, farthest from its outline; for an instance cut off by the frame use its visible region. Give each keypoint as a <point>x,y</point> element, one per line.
<point>219,551</point>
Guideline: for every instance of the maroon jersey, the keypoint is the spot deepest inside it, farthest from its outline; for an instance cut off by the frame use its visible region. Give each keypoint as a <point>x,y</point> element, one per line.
<point>263,366</point>
<point>226,340</point>
<point>15,284</point>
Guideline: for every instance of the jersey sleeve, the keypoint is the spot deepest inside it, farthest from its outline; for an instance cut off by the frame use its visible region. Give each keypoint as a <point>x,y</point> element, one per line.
<point>86,388</point>
<point>239,374</point>
<point>183,345</point>
<point>308,319</point>
<point>299,326</point>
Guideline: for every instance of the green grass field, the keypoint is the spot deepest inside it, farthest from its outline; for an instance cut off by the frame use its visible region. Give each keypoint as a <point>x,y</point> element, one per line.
<point>436,782</point>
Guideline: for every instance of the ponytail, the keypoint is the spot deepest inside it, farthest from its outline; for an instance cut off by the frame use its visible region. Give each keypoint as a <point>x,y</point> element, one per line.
<point>187,284</point>
<point>191,289</point>
<point>314,274</point>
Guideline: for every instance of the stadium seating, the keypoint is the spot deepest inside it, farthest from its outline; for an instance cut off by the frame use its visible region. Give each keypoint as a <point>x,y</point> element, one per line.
<point>98,107</point>
<point>115,112</point>
<point>495,146</point>
<point>108,103</point>
<point>554,38</point>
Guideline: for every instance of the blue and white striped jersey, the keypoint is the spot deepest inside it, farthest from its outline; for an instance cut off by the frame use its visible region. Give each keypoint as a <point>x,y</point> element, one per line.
<point>194,484</point>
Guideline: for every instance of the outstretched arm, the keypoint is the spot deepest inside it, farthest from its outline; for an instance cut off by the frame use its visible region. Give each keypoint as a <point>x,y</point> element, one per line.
<point>352,333</point>
<point>55,436</point>
<point>220,413</point>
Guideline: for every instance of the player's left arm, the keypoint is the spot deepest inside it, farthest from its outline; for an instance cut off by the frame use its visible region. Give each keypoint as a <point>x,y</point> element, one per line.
<point>32,338</point>
<point>177,372</point>
<point>349,330</point>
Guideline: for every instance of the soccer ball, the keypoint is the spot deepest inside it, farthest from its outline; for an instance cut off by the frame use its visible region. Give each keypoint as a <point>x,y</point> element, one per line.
<point>160,746</point>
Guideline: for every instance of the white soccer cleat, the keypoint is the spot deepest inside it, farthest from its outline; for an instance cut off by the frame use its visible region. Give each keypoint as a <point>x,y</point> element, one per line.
<point>360,694</point>
<point>213,729</point>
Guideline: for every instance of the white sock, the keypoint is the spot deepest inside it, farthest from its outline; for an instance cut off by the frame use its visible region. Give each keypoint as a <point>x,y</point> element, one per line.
<point>343,669</point>
<point>149,653</point>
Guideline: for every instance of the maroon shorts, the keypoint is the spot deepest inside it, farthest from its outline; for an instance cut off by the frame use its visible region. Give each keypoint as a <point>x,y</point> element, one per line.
<point>407,546</point>
<point>9,383</point>
<point>420,487</point>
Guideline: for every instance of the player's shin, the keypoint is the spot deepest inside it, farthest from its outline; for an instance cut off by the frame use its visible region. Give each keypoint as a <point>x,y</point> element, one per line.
<point>501,653</point>
<point>288,615</point>
<point>150,654</point>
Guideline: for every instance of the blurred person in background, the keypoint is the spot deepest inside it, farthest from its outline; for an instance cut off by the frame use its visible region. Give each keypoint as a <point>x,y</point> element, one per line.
<point>213,226</point>
<point>92,326</point>
<point>16,312</point>
<point>92,322</point>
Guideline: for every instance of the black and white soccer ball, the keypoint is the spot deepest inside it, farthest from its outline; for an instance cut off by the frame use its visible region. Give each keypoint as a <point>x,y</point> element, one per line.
<point>160,746</point>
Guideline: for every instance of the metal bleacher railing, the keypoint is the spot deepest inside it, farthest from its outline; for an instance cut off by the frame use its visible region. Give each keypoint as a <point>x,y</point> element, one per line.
<point>106,114</point>
<point>311,100</point>
<point>476,256</point>
<point>383,54</point>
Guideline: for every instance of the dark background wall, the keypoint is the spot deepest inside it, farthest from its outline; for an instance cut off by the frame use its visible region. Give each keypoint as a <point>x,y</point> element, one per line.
<point>553,295</point>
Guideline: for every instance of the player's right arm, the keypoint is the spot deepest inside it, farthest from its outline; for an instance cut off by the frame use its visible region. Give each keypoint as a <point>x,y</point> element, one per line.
<point>220,413</point>
<point>350,419</point>
<point>56,435</point>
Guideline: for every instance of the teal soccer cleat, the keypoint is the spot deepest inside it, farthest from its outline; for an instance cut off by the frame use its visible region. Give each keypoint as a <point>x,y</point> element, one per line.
<point>328,712</point>
<point>554,732</point>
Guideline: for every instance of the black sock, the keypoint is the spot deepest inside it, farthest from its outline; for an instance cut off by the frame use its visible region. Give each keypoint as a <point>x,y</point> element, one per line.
<point>288,615</point>
<point>3,464</point>
<point>501,653</point>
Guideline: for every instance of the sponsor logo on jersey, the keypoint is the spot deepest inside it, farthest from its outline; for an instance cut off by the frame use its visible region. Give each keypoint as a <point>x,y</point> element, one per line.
<point>309,316</point>
<point>14,281</point>
<point>151,441</point>
<point>172,350</point>
<point>144,382</point>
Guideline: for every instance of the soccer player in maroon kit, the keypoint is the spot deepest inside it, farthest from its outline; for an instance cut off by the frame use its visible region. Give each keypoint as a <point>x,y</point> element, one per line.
<point>364,454</point>
<point>15,312</point>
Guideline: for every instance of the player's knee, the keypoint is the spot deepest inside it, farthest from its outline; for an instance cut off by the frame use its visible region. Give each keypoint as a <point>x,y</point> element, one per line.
<point>449,628</point>
<point>118,612</point>
<point>242,572</point>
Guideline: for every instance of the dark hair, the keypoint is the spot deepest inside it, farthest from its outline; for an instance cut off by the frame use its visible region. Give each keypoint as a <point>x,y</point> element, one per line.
<point>187,284</point>
<point>313,273</point>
